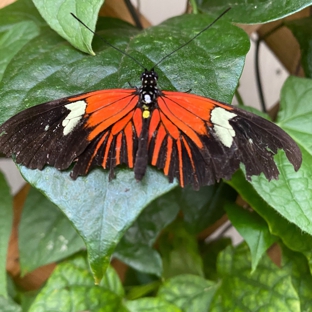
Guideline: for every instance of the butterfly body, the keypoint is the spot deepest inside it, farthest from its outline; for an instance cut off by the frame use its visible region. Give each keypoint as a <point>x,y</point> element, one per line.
<point>192,138</point>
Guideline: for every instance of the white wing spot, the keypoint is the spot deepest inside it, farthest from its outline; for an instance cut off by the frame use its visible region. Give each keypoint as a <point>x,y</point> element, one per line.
<point>220,120</point>
<point>77,110</point>
<point>46,128</point>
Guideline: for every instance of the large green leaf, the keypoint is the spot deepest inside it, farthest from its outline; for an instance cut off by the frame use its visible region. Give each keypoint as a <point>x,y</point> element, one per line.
<point>48,68</point>
<point>253,229</point>
<point>57,15</point>
<point>188,292</point>
<point>6,219</point>
<point>302,30</point>
<point>292,236</point>
<point>71,288</point>
<point>291,194</point>
<point>254,11</point>
<point>104,211</point>
<point>45,234</point>
<point>269,288</point>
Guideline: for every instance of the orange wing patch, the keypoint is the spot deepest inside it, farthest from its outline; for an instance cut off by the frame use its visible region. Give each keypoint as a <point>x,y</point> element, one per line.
<point>105,110</point>
<point>183,122</point>
<point>111,122</point>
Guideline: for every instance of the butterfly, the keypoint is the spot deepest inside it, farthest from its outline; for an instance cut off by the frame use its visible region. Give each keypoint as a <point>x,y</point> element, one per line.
<point>195,139</point>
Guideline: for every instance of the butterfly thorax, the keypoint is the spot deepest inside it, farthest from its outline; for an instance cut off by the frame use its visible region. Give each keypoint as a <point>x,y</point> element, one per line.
<point>148,92</point>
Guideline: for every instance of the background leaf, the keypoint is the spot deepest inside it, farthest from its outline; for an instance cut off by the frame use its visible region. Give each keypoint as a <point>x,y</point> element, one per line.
<point>254,11</point>
<point>13,39</point>
<point>298,268</point>
<point>210,252</point>
<point>57,15</point>
<point>268,288</point>
<point>151,305</point>
<point>52,238</point>
<point>135,248</point>
<point>8,305</point>
<point>253,229</point>
<point>6,220</point>
<point>204,207</point>
<point>188,292</point>
<point>71,288</point>
<point>180,252</point>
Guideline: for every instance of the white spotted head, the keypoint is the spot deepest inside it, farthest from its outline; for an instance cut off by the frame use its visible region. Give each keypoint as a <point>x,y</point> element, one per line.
<point>148,90</point>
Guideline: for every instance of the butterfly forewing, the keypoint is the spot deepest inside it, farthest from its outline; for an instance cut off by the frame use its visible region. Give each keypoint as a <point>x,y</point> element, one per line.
<point>214,138</point>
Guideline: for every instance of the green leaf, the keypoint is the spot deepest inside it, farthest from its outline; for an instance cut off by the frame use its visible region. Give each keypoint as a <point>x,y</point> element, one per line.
<point>254,11</point>
<point>291,194</point>
<point>19,12</point>
<point>267,289</point>
<point>57,15</point>
<point>180,252</point>
<point>135,248</point>
<point>45,234</point>
<point>139,291</point>
<point>104,210</point>
<point>8,305</point>
<point>27,299</point>
<point>298,268</point>
<point>13,39</point>
<point>253,229</point>
<point>48,68</point>
<point>204,207</point>
<point>291,235</point>
<point>302,31</point>
<point>6,219</point>
<point>189,292</point>
<point>296,111</point>
<point>71,288</point>
<point>151,305</point>
<point>210,252</point>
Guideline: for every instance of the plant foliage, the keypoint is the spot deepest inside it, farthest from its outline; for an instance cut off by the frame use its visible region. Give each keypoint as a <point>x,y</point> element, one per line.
<point>152,226</point>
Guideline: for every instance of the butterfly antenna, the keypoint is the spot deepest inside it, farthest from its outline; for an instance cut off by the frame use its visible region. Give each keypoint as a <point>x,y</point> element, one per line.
<point>186,43</point>
<point>105,41</point>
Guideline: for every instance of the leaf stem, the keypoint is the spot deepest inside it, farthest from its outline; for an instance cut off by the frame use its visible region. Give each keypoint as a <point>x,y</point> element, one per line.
<point>239,98</point>
<point>194,6</point>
